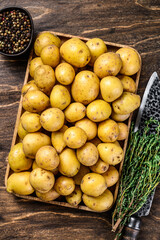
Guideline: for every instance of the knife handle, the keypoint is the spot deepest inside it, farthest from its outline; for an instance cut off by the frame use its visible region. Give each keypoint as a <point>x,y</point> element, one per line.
<point>132,229</point>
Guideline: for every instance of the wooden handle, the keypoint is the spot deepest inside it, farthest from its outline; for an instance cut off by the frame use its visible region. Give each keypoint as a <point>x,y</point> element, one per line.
<point>132,229</point>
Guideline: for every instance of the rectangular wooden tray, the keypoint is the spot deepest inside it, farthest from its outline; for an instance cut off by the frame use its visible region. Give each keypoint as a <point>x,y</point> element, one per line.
<point>111,47</point>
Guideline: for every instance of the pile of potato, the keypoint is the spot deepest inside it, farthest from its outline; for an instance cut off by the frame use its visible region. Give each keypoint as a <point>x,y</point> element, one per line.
<point>74,108</point>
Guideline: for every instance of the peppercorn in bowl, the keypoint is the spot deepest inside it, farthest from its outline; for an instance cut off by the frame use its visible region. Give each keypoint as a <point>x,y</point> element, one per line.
<point>16,31</point>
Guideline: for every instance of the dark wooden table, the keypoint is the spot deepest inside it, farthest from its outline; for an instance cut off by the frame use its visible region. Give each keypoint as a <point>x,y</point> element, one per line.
<point>136,23</point>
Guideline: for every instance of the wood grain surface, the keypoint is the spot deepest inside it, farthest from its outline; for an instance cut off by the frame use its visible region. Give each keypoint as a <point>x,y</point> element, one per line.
<point>135,23</point>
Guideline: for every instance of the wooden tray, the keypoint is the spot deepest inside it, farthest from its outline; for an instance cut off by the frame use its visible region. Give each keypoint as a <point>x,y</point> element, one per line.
<point>111,47</point>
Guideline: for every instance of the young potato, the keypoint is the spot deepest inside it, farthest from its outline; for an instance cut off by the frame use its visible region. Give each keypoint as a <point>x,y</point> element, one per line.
<point>31,122</point>
<point>69,164</point>
<point>93,184</point>
<point>75,137</point>
<point>111,176</point>
<point>130,61</point>
<point>21,131</point>
<point>30,86</point>
<point>75,197</point>
<point>60,97</point>
<point>33,141</point>
<point>123,131</point>
<point>50,55</point>
<point>101,203</point>
<point>34,63</point>
<point>97,47</point>
<point>88,126</point>
<point>65,73</point>
<point>75,52</point>
<point>108,131</point>
<point>47,158</point>
<point>48,196</point>
<point>17,160</point>
<point>100,167</point>
<point>110,153</point>
<point>82,172</point>
<point>41,180</point>
<point>44,78</point>
<point>98,110</point>
<point>107,64</point>
<point>128,83</point>
<point>127,103</point>
<point>96,141</point>
<point>64,185</point>
<point>88,154</point>
<point>52,119</point>
<point>57,139</point>
<point>35,101</point>
<point>119,117</point>
<point>85,87</point>
<point>45,39</point>
<point>34,165</point>
<point>111,88</point>
<point>19,183</point>
<point>75,111</point>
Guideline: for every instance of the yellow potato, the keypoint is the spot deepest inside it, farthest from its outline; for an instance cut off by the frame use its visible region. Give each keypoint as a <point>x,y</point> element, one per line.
<point>75,52</point>
<point>100,167</point>
<point>111,88</point>
<point>19,183</point>
<point>52,119</point>
<point>60,97</point>
<point>82,172</point>
<point>85,87</point>
<point>57,139</point>
<point>34,63</point>
<point>34,165</point>
<point>31,122</point>
<point>126,104</point>
<point>88,126</point>
<point>48,196</point>
<point>65,73</point>
<point>96,141</point>
<point>93,184</point>
<point>108,131</point>
<point>64,185</point>
<point>75,137</point>
<point>75,111</point>
<point>88,154</point>
<point>21,131</point>
<point>119,117</point>
<point>111,176</point>
<point>107,64</point>
<point>29,87</point>
<point>128,83</point>
<point>75,197</point>
<point>69,164</point>
<point>98,110</point>
<point>123,131</point>
<point>50,55</point>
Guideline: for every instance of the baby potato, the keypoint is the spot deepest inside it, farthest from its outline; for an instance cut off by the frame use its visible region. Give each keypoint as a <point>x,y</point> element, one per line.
<point>85,87</point>
<point>57,139</point>
<point>64,185</point>
<point>17,160</point>
<point>74,112</point>
<point>35,101</point>
<point>50,55</point>
<point>34,63</point>
<point>34,165</point>
<point>65,73</point>
<point>88,126</point>
<point>47,158</point>
<point>75,52</point>
<point>107,64</point>
<point>111,176</point>
<point>110,153</point>
<point>33,141</point>
<point>93,184</point>
<point>48,196</point>
<point>31,122</point>
<point>52,119</point>
<point>29,87</point>
<point>123,131</point>
<point>98,110</point>
<point>101,203</point>
<point>19,183</point>
<point>21,131</point>
<point>75,197</point>
<point>126,104</point>
<point>108,131</point>
<point>97,47</point>
<point>128,83</point>
<point>45,39</point>
<point>60,97</point>
<point>88,154</point>
<point>96,141</point>
<point>130,61</point>
<point>100,167</point>
<point>75,137</point>
<point>111,88</point>
<point>119,117</point>
<point>82,172</point>
<point>44,78</point>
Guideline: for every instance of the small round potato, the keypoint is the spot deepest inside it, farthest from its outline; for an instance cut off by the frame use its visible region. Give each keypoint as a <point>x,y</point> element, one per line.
<point>60,97</point>
<point>128,83</point>
<point>119,117</point>
<point>75,111</point>
<point>34,165</point>
<point>111,176</point>
<point>93,184</point>
<point>82,172</point>
<point>47,158</point>
<point>30,86</point>
<point>100,167</point>
<point>65,73</point>
<point>64,185</point>
<point>75,197</point>
<point>52,119</point>
<point>110,153</point>
<point>123,131</point>
<point>21,131</point>
<point>107,64</point>
<point>75,137</point>
<point>57,139</point>
<point>31,122</point>
<point>108,131</point>
<point>41,180</point>
<point>50,55</point>
<point>48,196</point>
<point>88,154</point>
<point>69,164</point>
<point>88,126</point>
<point>101,203</point>
<point>98,110</point>
<point>34,63</point>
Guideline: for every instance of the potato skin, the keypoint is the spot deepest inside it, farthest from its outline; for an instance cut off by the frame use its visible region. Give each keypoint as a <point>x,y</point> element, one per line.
<point>75,197</point>
<point>74,112</point>
<point>88,154</point>
<point>119,117</point>
<point>34,63</point>
<point>57,139</point>
<point>21,131</point>
<point>29,87</point>
<point>65,73</point>
<point>123,131</point>
<point>128,83</point>
<point>108,131</point>
<point>100,167</point>
<point>60,97</point>
<point>48,196</point>
<point>50,55</point>
<point>31,122</point>
<point>64,185</point>
<point>111,176</point>
<point>88,126</point>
